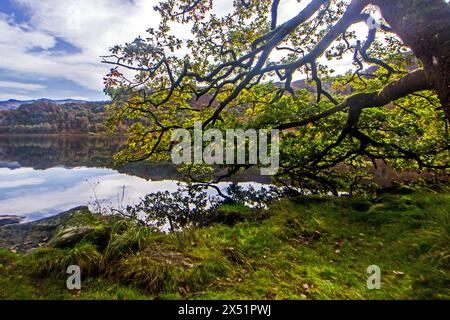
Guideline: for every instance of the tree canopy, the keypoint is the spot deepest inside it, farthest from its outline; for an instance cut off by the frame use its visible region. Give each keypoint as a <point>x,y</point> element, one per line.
<point>239,70</point>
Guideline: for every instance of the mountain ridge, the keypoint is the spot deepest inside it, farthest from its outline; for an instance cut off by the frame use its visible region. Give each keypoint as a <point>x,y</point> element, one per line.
<point>13,104</point>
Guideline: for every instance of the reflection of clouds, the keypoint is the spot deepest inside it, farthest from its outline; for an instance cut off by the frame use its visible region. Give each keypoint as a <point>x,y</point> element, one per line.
<point>109,189</point>
<point>12,172</point>
<point>40,193</point>
<point>20,183</point>
<point>47,192</point>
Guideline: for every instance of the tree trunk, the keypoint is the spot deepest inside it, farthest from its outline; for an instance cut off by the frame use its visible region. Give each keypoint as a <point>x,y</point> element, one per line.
<point>424,26</point>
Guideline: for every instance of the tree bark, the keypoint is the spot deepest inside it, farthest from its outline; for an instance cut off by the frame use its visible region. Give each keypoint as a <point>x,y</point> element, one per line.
<point>424,26</point>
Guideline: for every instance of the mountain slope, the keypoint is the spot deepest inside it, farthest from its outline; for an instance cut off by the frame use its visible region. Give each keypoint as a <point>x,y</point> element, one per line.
<point>44,117</point>
<point>13,104</point>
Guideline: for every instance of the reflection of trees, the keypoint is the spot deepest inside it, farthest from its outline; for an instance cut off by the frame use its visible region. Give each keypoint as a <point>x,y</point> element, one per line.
<point>44,152</point>
<point>73,151</point>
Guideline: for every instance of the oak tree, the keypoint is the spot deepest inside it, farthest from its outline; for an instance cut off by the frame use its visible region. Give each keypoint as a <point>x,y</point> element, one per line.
<point>239,69</point>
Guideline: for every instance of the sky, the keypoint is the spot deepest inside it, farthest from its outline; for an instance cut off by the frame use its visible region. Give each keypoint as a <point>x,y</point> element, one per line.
<point>52,48</point>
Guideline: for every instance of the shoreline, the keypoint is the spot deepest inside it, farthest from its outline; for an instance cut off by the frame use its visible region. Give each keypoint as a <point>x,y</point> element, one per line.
<point>23,237</point>
<point>300,248</point>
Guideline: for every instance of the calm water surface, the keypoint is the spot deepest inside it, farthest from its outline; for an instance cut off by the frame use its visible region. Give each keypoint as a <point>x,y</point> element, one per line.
<point>43,176</point>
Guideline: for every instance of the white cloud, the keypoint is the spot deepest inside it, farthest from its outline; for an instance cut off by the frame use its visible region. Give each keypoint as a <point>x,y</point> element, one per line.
<point>92,27</point>
<point>22,37</point>
<point>14,95</point>
<point>20,183</point>
<point>21,86</point>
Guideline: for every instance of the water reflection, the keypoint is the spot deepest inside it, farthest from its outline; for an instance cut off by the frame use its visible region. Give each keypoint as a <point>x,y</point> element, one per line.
<point>42,176</point>
<point>35,194</point>
<point>45,152</point>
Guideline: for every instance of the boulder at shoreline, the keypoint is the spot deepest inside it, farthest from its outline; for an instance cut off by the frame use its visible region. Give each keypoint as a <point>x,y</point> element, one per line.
<point>26,236</point>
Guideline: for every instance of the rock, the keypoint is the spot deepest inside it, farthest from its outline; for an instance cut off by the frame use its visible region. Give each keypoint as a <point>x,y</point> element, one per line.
<point>6,220</point>
<point>27,236</point>
<point>79,227</point>
<point>71,236</point>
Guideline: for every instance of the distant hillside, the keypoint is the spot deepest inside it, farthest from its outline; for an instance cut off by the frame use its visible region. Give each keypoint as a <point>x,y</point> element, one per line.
<point>13,104</point>
<point>54,117</point>
<point>45,116</point>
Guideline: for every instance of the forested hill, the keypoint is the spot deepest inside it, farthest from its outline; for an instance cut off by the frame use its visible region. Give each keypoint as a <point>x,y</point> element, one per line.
<point>70,116</point>
<point>13,104</point>
<point>46,117</point>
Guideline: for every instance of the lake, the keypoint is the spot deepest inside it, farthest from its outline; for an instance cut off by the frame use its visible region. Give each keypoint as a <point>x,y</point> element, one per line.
<point>43,176</point>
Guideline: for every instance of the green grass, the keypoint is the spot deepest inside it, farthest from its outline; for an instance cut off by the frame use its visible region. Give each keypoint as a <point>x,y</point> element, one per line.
<point>309,248</point>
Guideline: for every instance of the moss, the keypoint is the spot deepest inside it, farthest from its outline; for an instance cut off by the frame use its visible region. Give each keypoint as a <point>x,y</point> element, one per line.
<point>301,250</point>
<point>54,261</point>
<point>127,239</point>
<point>80,226</point>
<point>230,214</point>
<point>362,205</point>
<point>152,272</point>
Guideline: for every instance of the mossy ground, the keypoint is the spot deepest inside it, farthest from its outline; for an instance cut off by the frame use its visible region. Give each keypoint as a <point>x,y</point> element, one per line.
<point>308,248</point>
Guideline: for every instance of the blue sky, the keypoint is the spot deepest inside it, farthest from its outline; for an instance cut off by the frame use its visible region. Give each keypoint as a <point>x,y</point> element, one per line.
<point>52,48</point>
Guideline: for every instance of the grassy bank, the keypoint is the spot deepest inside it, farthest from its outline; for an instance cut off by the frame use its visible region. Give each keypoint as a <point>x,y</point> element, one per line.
<point>307,248</point>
